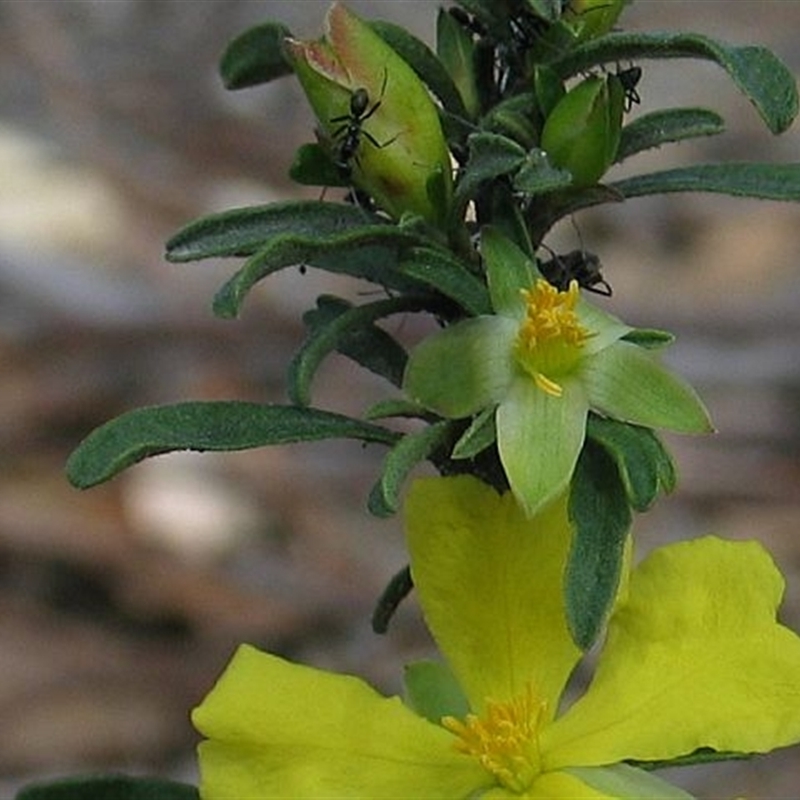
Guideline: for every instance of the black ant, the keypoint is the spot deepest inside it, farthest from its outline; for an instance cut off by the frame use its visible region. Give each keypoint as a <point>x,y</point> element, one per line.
<point>347,137</point>
<point>629,79</point>
<point>577,265</point>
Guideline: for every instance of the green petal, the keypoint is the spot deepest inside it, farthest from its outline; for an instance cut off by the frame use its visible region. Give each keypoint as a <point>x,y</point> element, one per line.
<point>277,729</point>
<point>606,328</point>
<point>462,369</point>
<point>508,271</point>
<point>539,438</point>
<point>627,383</point>
<point>622,781</point>
<point>694,659</point>
<point>489,581</point>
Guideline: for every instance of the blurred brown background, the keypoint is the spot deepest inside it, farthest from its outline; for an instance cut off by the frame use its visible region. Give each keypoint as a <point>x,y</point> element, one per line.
<point>119,606</point>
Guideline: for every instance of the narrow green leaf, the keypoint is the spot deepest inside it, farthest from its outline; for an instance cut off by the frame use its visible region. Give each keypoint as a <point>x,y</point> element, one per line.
<point>455,48</point>
<point>703,755</point>
<point>369,252</point>
<point>760,75</point>
<point>108,787</point>
<point>642,462</point>
<point>599,510</point>
<point>339,331</point>
<point>366,344</point>
<point>243,231</point>
<point>384,499</point>
<point>424,62</point>
<point>255,56</point>
<point>447,275</point>
<point>649,338</point>
<point>549,10</point>
<point>480,434</point>
<point>740,179</point>
<point>665,126</point>
<point>207,425</point>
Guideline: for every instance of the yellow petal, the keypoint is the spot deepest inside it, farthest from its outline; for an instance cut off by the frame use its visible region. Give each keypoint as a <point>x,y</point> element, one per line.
<point>490,584</point>
<point>552,786</point>
<point>694,658</point>
<point>277,729</point>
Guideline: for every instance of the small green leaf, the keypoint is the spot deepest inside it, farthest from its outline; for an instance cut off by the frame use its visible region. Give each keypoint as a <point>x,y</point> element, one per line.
<point>244,231</point>
<point>490,156</point>
<point>703,755</point>
<point>433,692</point>
<point>312,166</point>
<point>447,275</point>
<point>599,510</point>
<point>108,787</point>
<point>741,179</point>
<point>663,127</point>
<point>757,72</point>
<point>644,466</point>
<point>456,50</point>
<point>424,62</point>
<point>480,434</point>
<point>255,56</point>
<point>338,332</point>
<point>538,176</point>
<point>410,450</point>
<point>208,425</point>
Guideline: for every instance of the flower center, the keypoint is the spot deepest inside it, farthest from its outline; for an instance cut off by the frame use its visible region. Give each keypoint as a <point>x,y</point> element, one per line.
<point>550,340</point>
<point>504,739</point>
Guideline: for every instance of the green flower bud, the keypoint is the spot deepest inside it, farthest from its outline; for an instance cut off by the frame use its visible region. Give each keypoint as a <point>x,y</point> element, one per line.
<point>589,19</point>
<point>582,132</point>
<point>377,119</point>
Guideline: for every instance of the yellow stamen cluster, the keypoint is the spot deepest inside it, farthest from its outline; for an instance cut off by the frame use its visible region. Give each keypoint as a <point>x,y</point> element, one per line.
<point>504,739</point>
<point>550,339</point>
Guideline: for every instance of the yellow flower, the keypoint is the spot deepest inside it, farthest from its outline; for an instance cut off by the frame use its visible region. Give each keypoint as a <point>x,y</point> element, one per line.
<point>693,658</point>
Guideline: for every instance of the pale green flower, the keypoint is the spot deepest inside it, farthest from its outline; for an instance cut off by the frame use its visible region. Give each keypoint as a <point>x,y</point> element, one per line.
<point>542,361</point>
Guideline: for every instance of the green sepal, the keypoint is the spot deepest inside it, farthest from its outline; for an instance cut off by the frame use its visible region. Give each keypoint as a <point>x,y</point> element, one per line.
<point>351,329</point>
<point>410,450</point>
<point>432,691</point>
<point>649,338</point>
<point>369,252</point>
<point>758,73</point>
<point>424,62</point>
<point>447,275</point>
<point>244,231</point>
<point>365,343</point>
<point>644,466</point>
<point>599,511</point>
<point>480,434</point>
<point>548,88</point>
<point>516,118</point>
<point>666,126</point>
<point>108,787</point>
<point>312,166</point>
<point>538,176</point>
<point>455,49</point>
<point>490,156</point>
<point>740,179</point>
<point>255,56</point>
<point>206,426</point>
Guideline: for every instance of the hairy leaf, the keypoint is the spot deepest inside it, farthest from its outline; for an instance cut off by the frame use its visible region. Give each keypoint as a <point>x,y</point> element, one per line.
<point>255,56</point>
